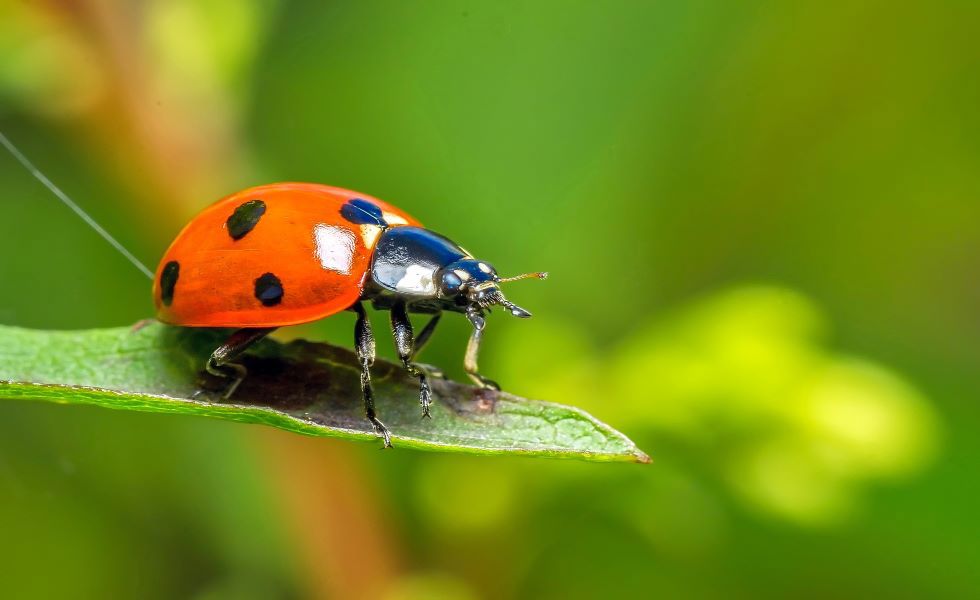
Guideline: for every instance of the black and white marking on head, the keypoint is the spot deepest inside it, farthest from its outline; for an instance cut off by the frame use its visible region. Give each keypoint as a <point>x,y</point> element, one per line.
<point>245,218</point>
<point>268,290</point>
<point>168,282</point>
<point>361,212</point>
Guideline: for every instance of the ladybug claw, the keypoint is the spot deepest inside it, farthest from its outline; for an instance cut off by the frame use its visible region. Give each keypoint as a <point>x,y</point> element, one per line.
<point>425,399</point>
<point>229,371</point>
<point>382,431</point>
<point>203,395</point>
<point>488,384</point>
<point>234,386</point>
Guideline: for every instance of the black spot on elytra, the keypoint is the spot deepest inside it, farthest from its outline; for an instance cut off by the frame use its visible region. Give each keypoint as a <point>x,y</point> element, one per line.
<point>245,218</point>
<point>168,282</point>
<point>268,289</point>
<point>361,212</point>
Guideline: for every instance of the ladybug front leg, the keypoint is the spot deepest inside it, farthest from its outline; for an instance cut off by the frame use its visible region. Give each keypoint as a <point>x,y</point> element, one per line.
<point>475,316</point>
<point>364,348</point>
<point>401,329</point>
<point>220,365</point>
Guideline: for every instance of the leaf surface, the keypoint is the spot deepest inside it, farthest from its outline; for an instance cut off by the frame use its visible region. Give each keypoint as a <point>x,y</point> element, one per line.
<point>304,387</point>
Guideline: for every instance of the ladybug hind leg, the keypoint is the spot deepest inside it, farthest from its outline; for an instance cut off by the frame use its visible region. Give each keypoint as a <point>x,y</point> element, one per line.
<point>364,348</point>
<point>220,365</point>
<point>408,347</point>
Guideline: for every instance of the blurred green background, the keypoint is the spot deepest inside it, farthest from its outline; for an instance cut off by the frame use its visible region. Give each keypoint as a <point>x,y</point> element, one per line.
<point>761,221</point>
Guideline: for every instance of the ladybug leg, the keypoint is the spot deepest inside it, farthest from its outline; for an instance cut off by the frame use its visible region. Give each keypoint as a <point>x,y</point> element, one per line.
<point>475,316</point>
<point>220,365</point>
<point>401,329</point>
<point>423,337</point>
<point>364,348</point>
<point>420,340</point>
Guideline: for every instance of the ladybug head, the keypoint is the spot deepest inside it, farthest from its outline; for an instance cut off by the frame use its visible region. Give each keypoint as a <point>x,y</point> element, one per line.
<point>477,284</point>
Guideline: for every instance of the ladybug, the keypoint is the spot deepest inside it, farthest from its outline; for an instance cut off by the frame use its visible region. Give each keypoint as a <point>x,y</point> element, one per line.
<point>291,253</point>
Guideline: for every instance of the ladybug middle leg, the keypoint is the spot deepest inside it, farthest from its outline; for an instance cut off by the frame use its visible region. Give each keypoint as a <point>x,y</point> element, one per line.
<point>420,341</point>
<point>423,337</point>
<point>220,365</point>
<point>364,348</point>
<point>407,347</point>
<point>476,318</point>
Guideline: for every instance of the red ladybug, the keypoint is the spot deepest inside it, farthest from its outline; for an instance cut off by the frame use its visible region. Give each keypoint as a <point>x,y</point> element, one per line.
<point>291,253</point>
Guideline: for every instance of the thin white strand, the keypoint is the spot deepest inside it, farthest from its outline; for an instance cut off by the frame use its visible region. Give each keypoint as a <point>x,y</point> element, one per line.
<point>71,204</point>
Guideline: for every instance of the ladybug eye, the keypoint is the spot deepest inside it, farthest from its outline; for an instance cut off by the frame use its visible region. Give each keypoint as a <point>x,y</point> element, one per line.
<point>450,283</point>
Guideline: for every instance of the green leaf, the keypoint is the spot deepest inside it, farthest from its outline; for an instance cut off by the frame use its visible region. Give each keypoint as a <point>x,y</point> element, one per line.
<point>300,386</point>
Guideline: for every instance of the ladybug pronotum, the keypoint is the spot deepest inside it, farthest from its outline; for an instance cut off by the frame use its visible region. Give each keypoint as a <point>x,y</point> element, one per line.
<point>291,253</point>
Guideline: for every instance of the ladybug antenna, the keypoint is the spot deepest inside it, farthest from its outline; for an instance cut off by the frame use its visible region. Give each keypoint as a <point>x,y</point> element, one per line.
<point>74,207</point>
<point>538,275</point>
